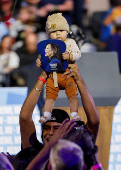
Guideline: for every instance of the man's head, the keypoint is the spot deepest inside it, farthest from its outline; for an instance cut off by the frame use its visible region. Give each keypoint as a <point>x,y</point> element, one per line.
<point>57,26</point>
<point>49,127</point>
<point>31,42</point>
<point>66,155</point>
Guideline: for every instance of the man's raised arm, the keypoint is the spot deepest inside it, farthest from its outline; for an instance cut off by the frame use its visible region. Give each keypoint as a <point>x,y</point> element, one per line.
<point>89,106</point>
<point>27,127</point>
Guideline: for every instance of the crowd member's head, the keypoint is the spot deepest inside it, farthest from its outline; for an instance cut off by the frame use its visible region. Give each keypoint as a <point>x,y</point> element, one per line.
<point>85,140</point>
<point>6,44</point>
<point>49,127</point>
<point>57,27</point>
<point>23,158</point>
<point>5,163</point>
<point>31,42</point>
<point>25,16</point>
<point>66,155</point>
<point>6,9</point>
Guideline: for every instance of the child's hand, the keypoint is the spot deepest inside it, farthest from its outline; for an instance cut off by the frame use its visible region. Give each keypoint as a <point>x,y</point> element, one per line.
<point>67,56</point>
<point>38,63</point>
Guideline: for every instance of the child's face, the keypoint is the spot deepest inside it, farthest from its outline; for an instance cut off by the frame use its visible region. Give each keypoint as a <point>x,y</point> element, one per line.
<point>59,35</point>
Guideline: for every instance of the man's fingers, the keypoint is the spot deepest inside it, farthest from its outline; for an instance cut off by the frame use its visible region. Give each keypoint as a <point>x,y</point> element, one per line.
<point>66,73</point>
<point>70,65</point>
<point>64,122</point>
<point>71,127</point>
<point>73,66</point>
<point>68,124</point>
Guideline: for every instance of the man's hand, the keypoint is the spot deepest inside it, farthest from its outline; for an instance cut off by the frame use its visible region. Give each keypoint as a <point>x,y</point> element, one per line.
<point>73,72</point>
<point>63,130</point>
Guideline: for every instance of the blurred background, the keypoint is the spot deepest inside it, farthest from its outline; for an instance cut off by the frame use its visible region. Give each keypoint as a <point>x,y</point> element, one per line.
<point>94,24</point>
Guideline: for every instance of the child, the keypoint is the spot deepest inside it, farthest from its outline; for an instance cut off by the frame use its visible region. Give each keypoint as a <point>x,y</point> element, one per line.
<point>58,28</point>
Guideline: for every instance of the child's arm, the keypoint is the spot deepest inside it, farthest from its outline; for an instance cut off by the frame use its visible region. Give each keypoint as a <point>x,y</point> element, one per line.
<point>38,61</point>
<point>72,51</point>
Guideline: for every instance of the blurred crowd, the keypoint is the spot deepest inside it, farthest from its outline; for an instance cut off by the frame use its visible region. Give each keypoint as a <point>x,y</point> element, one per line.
<point>23,26</point>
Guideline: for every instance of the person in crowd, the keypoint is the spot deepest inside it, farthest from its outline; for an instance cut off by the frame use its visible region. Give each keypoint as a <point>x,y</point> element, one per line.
<point>58,28</point>
<point>24,24</point>
<point>66,155</point>
<point>9,60</point>
<point>108,28</point>
<point>85,140</point>
<point>88,156</point>
<point>54,129</point>
<point>23,75</point>
<point>7,11</point>
<point>113,44</point>
<point>27,54</point>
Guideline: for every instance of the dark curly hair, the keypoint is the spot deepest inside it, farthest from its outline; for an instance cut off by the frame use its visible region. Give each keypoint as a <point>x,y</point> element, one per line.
<point>56,52</point>
<point>85,140</point>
